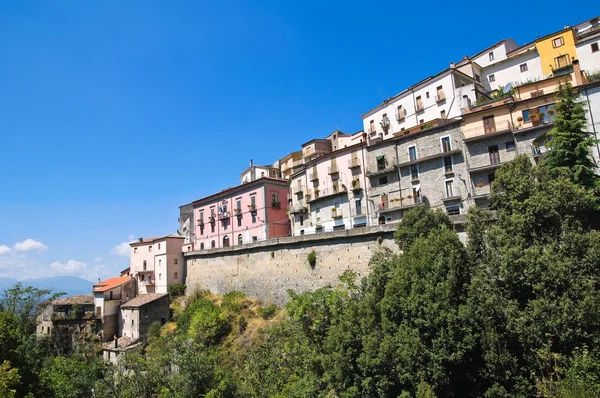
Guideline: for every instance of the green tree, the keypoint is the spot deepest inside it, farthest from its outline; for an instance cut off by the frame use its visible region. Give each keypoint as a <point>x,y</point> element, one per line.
<point>570,144</point>
<point>73,376</point>
<point>9,380</point>
<point>417,223</point>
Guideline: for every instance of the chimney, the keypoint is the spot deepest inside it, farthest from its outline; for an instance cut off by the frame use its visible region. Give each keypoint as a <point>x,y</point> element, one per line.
<point>98,280</point>
<point>451,65</point>
<point>251,163</point>
<point>577,73</point>
<point>140,240</point>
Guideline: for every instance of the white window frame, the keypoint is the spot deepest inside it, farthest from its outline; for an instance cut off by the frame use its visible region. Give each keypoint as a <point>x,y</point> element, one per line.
<point>526,67</point>
<point>442,143</point>
<point>416,152</point>
<point>451,180</point>
<point>492,78</point>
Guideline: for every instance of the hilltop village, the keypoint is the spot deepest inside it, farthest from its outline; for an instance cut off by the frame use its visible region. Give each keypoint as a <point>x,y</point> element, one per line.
<point>435,144</point>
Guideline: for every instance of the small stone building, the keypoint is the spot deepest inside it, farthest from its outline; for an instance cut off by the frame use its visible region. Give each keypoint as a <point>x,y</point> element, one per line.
<point>139,313</point>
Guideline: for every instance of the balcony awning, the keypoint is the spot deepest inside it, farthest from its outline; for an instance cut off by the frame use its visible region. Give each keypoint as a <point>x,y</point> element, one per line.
<point>379,157</point>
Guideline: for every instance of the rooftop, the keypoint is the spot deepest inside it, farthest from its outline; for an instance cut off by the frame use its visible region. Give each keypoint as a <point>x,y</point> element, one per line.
<point>155,239</point>
<point>111,283</point>
<point>78,299</point>
<point>142,300</point>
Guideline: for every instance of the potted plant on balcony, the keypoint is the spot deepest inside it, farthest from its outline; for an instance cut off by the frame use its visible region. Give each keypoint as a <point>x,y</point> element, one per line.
<point>480,185</point>
<point>535,119</point>
<point>541,116</point>
<point>520,120</point>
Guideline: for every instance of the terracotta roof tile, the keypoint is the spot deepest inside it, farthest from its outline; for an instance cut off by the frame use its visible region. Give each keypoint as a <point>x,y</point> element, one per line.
<point>111,283</point>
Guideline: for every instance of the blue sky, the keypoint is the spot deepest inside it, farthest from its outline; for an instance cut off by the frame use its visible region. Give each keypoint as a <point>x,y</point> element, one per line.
<point>114,113</point>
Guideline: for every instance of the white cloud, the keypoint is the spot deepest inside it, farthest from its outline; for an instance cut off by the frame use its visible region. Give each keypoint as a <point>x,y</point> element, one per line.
<point>81,269</point>
<point>122,249</point>
<point>97,259</point>
<point>4,249</point>
<point>29,245</point>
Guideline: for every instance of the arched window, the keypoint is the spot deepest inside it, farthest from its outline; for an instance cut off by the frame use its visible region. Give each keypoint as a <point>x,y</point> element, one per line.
<point>240,239</point>
<point>382,220</point>
<point>212,244</point>
<point>201,246</point>
<point>226,241</point>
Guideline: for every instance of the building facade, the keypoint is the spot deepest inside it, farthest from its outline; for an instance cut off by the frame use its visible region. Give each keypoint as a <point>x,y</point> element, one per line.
<point>157,263</point>
<point>67,316</point>
<point>141,312</point>
<point>246,213</point>
<point>108,296</point>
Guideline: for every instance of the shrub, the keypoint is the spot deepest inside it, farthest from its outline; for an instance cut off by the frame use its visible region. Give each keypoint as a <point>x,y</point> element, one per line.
<point>208,323</point>
<point>231,301</point>
<point>312,258</point>
<point>268,312</point>
<point>176,291</point>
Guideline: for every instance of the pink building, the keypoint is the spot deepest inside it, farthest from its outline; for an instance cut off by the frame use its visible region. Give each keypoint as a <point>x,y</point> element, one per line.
<point>246,213</point>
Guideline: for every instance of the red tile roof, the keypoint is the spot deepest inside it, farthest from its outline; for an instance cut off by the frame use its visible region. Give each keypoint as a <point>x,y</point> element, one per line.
<point>111,283</point>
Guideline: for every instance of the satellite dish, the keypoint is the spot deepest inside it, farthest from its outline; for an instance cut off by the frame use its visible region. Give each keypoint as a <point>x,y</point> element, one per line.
<point>507,88</point>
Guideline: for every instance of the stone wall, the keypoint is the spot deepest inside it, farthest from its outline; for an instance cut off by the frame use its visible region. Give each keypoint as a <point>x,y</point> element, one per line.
<point>266,270</point>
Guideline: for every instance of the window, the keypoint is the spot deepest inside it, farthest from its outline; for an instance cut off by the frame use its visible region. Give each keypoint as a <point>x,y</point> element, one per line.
<point>212,244</point>
<point>381,220</point>
<point>453,210</point>
<point>175,275</point>
<point>255,239</point>
<point>526,115</point>
<point>446,147</point>
<point>159,277</point>
<point>561,61</point>
<point>448,164</point>
<point>419,103</point>
<point>383,180</point>
<point>144,265</point>
<point>159,262</point>
<point>301,219</point>
<point>380,162</point>
<point>492,78</point>
<point>548,111</point>
<point>253,201</point>
<point>134,250</point>
<point>414,172</point>
<point>201,216</point>
<point>427,94</point>
<point>439,92</point>
<point>239,221</point>
<point>159,246</point>
<point>412,153</point>
<point>238,205</point>
<point>226,241</point>
<point>417,195</point>
<point>494,154</point>
<point>202,230</point>
<point>201,246</point>
<point>176,261</point>
<point>523,68</point>
<point>510,146</point>
<point>240,241</point>
<point>491,55</point>
<point>253,218</point>
<point>399,113</point>
<point>443,114</point>
<point>477,78</point>
<point>132,322</point>
<point>212,228</point>
<point>594,47</point>
<point>491,178</point>
<point>489,126</point>
<point>358,207</point>
<point>449,188</point>
<point>275,200</point>
<point>558,42</point>
<point>372,126</point>
<point>149,248</point>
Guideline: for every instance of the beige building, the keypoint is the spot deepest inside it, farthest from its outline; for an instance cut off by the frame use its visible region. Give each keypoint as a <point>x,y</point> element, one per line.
<point>156,263</point>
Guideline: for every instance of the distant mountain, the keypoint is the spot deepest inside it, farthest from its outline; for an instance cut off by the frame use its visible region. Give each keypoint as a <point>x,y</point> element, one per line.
<point>70,285</point>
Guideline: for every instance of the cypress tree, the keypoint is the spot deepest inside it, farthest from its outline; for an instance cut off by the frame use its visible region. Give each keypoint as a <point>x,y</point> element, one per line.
<point>570,145</point>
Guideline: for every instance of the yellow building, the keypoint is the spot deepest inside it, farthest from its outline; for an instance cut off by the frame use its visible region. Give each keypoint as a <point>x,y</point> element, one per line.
<point>556,50</point>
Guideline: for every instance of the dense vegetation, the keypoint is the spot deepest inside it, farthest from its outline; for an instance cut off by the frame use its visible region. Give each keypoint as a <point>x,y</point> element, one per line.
<point>513,313</point>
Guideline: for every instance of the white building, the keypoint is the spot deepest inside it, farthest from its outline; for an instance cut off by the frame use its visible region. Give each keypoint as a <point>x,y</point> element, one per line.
<point>587,45</point>
<point>518,66</point>
<point>253,172</point>
<point>157,263</point>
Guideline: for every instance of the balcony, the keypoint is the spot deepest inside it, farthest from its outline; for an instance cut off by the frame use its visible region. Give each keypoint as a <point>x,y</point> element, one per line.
<point>314,176</point>
<point>201,223</point>
<point>356,185</point>
<point>299,190</point>
<point>336,213</point>
<point>482,132</point>
<point>327,193</point>
<point>441,97</point>
<point>398,204</point>
<point>225,215</point>
<point>380,172</point>
<point>211,219</point>
<point>400,116</point>
<point>385,123</point>
<point>299,207</point>
<point>114,297</point>
<point>237,212</point>
<point>353,163</point>
<point>276,205</point>
<point>419,108</point>
<point>333,169</point>
<point>487,167</point>
<point>359,212</point>
<point>252,208</point>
